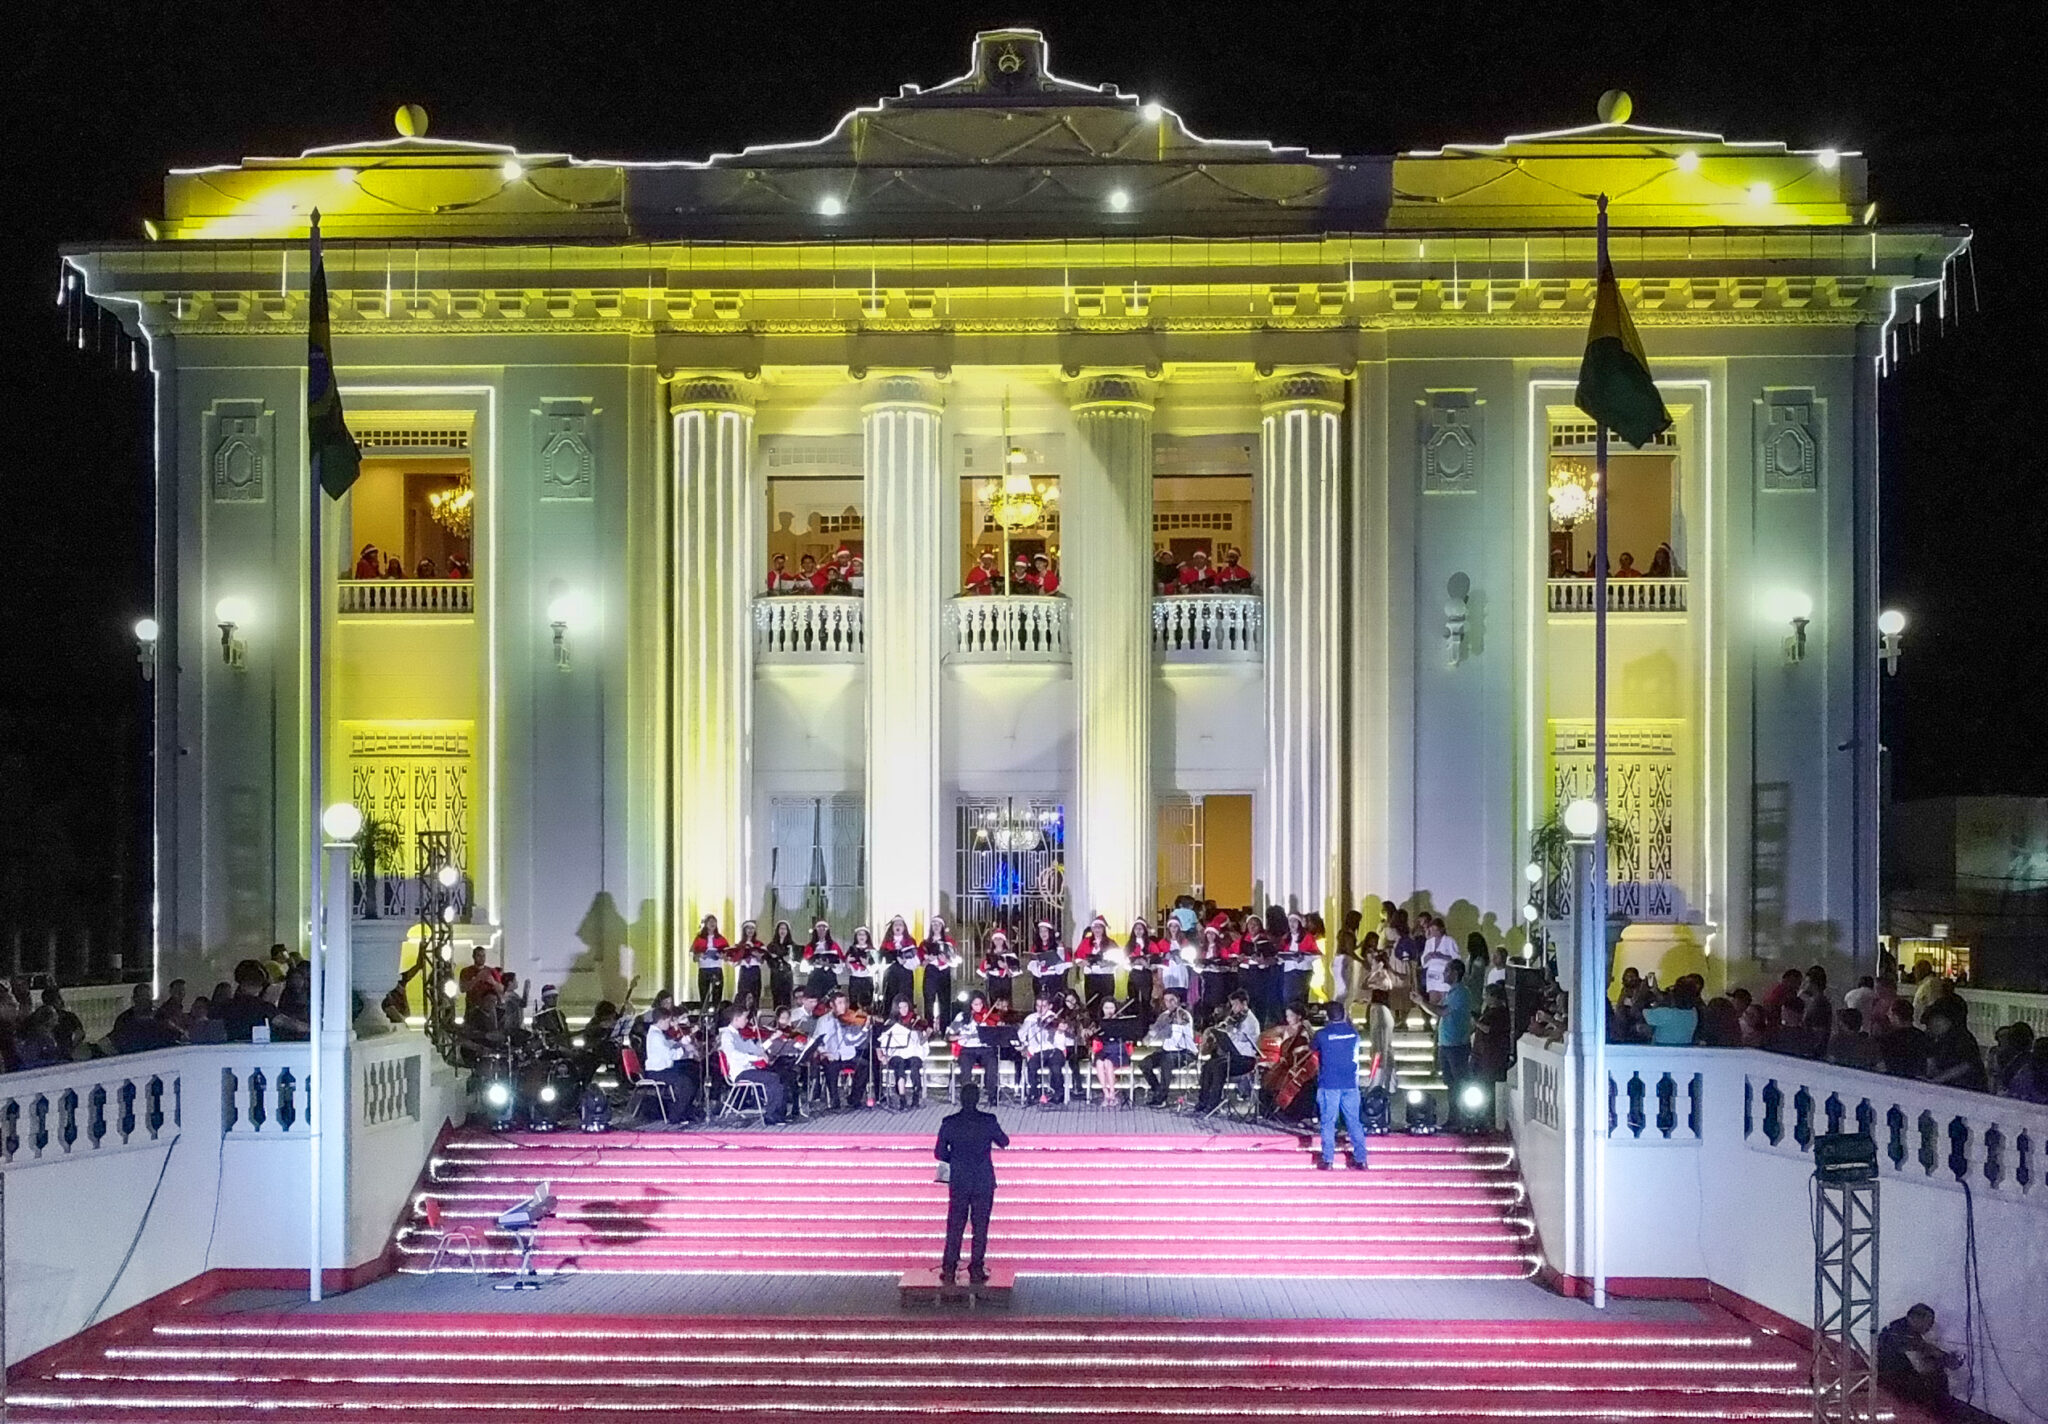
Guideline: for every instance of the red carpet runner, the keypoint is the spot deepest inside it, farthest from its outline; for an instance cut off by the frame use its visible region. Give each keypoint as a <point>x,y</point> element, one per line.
<point>391,1368</point>
<point>1069,1204</point>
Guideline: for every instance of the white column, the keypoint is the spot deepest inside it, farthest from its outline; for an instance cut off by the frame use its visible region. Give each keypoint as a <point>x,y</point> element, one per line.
<point>1106,574</point>
<point>715,554</point>
<point>1299,504</point>
<point>905,541</point>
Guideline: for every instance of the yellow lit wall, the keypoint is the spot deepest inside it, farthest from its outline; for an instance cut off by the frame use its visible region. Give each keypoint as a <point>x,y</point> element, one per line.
<point>1227,849</point>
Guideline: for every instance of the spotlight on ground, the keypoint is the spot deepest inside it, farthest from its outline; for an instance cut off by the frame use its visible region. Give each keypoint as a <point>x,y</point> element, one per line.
<point>499,1103</point>
<point>1473,1111</point>
<point>1421,1113</point>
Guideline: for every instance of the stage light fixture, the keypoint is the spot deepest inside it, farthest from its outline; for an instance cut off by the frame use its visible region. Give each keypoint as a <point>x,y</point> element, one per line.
<point>448,875</point>
<point>1421,1113</point>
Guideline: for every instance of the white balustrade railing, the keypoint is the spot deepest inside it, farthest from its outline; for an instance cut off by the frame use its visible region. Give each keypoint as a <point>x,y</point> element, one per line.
<point>1007,627</point>
<point>75,1109</point>
<point>829,628</point>
<point>1993,1009</point>
<point>1206,625</point>
<point>418,595</point>
<point>1624,595</point>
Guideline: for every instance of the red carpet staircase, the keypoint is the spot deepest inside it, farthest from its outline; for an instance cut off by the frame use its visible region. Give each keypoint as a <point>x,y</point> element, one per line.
<point>240,1369</point>
<point>1068,1204</point>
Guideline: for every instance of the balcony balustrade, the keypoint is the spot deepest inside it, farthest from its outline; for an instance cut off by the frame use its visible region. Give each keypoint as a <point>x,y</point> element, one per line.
<point>1205,627</point>
<point>1006,628</point>
<point>808,628</point>
<point>1624,595</point>
<point>389,597</point>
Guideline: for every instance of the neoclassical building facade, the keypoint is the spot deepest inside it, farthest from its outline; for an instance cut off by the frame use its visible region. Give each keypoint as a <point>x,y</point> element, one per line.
<point>650,602</point>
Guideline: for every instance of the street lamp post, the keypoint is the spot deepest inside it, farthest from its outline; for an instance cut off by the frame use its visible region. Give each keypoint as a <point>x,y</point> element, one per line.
<point>1586,1048</point>
<point>330,993</point>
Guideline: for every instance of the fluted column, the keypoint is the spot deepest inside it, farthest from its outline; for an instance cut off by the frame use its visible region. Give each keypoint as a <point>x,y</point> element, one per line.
<point>1300,480</point>
<point>904,540</point>
<point>716,550</point>
<point>1105,572</point>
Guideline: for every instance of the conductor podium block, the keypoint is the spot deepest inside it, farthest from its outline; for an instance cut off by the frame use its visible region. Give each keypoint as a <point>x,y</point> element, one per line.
<point>924,1288</point>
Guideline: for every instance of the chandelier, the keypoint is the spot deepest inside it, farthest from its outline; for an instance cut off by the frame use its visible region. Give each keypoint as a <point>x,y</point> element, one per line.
<point>1013,831</point>
<point>1574,491</point>
<point>1016,500</point>
<point>454,507</point>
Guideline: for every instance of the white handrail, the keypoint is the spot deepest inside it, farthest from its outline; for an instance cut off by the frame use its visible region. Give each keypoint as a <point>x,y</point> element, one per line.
<point>1205,625</point>
<point>1624,595</point>
<point>831,627</point>
<point>415,595</point>
<point>1004,627</point>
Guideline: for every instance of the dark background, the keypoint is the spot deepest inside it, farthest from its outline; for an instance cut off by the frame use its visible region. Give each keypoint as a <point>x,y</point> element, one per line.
<point>107,96</point>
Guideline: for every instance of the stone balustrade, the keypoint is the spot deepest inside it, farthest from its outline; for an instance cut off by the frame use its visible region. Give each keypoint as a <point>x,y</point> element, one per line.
<point>388,597</point>
<point>1206,626</point>
<point>1006,628</point>
<point>818,628</point>
<point>1624,595</point>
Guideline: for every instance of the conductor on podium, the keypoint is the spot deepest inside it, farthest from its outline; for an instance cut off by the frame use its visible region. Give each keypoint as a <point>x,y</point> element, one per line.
<point>964,1147</point>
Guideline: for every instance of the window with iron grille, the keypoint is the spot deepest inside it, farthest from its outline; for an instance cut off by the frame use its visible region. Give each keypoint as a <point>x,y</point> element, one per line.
<point>1011,863</point>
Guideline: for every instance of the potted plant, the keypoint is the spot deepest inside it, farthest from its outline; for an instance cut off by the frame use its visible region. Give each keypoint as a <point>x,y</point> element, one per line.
<point>377,848</point>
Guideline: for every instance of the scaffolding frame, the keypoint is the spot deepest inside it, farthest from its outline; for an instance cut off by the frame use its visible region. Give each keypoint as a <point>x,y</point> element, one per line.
<point>1844,1301</point>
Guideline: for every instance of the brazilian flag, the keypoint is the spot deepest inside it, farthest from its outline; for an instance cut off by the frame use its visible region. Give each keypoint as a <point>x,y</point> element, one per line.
<point>335,458</point>
<point>1615,388</point>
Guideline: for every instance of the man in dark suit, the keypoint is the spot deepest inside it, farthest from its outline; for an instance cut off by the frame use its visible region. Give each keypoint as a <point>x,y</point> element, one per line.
<point>965,1138</point>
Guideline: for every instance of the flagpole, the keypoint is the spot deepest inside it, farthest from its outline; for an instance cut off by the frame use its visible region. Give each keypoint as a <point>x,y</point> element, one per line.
<point>315,919</point>
<point>1595,1016</point>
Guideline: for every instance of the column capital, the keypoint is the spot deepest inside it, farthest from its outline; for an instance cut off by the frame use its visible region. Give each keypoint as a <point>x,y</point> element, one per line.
<point>1314,386</point>
<point>897,389</point>
<point>713,390</point>
<point>1111,389</point>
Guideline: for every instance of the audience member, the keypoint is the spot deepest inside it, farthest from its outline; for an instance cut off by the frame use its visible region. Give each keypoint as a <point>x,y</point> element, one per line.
<point>1788,987</point>
<point>139,1028</point>
<point>1911,1365</point>
<point>65,1026</point>
<point>1718,1026</point>
<point>2029,1082</point>
<point>201,1026</point>
<point>250,1005</point>
<point>1902,1048</point>
<point>2011,1046</point>
<point>1953,1056</point>
<point>1849,1045</point>
<point>1674,1017</point>
<point>35,1042</point>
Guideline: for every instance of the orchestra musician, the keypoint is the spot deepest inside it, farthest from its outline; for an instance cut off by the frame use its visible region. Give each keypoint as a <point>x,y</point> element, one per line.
<point>1098,971</point>
<point>999,972</point>
<point>1045,1039</point>
<point>939,957</point>
<point>842,1038</point>
<point>781,953</point>
<point>551,1025</point>
<point>860,969</point>
<point>747,955</point>
<point>1233,1045</point>
<point>1172,1037</point>
<point>671,1058</point>
<point>1177,968</point>
<point>899,961</point>
<point>821,953</point>
<point>1288,1052</point>
<point>902,1049</point>
<point>973,1051</point>
<point>1115,1028</point>
<point>708,949</point>
<point>743,1060</point>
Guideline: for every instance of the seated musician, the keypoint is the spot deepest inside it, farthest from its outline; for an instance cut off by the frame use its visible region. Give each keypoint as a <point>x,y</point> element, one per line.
<point>672,1059</point>
<point>973,1051</point>
<point>1288,1053</point>
<point>1116,1028</point>
<point>740,1055</point>
<point>902,1047</point>
<point>551,1025</point>
<point>1233,1051</point>
<point>1172,1037</point>
<point>1045,1040</point>
<point>842,1040</point>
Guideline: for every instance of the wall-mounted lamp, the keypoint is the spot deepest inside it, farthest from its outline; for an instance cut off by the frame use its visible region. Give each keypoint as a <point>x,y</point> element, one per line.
<point>1795,608</point>
<point>1457,609</point>
<point>565,611</point>
<point>145,647</point>
<point>341,823</point>
<point>1582,819</point>
<point>1891,630</point>
<point>231,613</point>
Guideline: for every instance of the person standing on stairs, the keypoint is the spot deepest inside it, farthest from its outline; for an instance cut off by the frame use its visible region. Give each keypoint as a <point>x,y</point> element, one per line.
<point>1337,1089</point>
<point>964,1146</point>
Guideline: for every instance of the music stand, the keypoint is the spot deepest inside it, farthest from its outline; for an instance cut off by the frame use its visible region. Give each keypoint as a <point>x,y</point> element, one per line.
<point>523,1221</point>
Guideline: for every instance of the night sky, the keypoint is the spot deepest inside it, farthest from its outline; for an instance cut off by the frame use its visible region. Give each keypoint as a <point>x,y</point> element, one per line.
<point>105,97</point>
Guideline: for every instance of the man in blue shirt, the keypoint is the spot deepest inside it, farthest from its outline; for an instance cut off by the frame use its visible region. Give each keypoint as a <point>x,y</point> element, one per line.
<point>1337,1088</point>
<point>1454,1027</point>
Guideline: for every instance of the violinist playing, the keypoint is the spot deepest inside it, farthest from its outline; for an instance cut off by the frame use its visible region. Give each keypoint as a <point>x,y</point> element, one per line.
<point>972,1050</point>
<point>1233,1042</point>
<point>1115,1029</point>
<point>902,1048</point>
<point>741,1057</point>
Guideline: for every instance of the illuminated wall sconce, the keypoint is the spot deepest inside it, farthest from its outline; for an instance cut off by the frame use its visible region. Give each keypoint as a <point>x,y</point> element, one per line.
<point>566,611</point>
<point>1457,610</point>
<point>231,613</point>
<point>1796,609</point>
<point>1891,632</point>
<point>145,647</point>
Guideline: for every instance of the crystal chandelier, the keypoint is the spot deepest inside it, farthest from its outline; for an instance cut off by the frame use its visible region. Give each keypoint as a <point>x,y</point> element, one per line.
<point>1573,493</point>
<point>1016,500</point>
<point>454,507</point>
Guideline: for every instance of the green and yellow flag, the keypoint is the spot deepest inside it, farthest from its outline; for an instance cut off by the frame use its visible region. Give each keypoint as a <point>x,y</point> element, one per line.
<point>335,457</point>
<point>1615,388</point>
